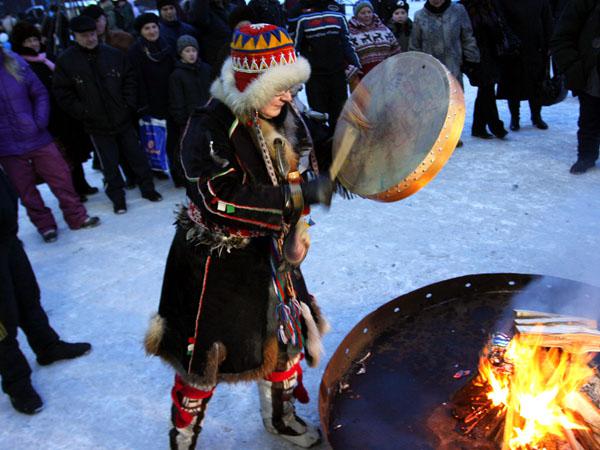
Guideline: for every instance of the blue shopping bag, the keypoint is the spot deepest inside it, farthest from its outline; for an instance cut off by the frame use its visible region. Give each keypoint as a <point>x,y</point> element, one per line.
<point>153,135</point>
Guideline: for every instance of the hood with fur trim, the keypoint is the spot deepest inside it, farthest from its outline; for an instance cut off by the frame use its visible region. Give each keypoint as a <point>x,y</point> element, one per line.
<point>261,90</point>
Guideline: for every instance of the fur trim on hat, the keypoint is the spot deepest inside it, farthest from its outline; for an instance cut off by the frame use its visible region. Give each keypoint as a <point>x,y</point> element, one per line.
<point>261,90</point>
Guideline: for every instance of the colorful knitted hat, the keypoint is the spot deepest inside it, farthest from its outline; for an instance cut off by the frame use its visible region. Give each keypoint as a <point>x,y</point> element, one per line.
<point>263,63</point>
<point>256,48</point>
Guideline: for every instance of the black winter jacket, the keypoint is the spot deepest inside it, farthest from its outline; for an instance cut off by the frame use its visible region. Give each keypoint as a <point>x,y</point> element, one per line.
<point>268,11</point>
<point>153,63</point>
<point>573,41</point>
<point>8,209</point>
<point>531,21</point>
<point>485,20</point>
<point>213,23</point>
<point>171,31</point>
<point>189,88</point>
<point>96,86</point>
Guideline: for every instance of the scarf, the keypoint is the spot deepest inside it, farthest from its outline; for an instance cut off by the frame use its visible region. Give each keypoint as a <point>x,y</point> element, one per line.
<point>39,58</point>
<point>155,51</point>
<point>437,9</point>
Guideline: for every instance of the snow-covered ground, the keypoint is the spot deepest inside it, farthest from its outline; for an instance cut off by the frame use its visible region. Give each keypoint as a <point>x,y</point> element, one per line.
<point>498,206</point>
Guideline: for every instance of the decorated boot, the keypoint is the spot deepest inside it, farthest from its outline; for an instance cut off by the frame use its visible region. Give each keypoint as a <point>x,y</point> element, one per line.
<point>277,395</point>
<point>187,414</point>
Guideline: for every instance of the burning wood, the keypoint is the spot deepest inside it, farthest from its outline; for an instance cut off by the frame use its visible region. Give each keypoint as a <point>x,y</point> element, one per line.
<point>527,393</point>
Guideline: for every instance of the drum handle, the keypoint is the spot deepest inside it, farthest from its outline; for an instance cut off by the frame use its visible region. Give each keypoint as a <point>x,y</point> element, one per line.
<point>350,136</point>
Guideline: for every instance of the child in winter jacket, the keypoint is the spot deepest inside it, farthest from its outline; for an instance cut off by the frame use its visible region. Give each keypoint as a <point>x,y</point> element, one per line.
<point>189,83</point>
<point>400,24</point>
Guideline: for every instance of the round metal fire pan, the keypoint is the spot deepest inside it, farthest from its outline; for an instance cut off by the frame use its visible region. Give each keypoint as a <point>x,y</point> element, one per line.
<point>404,359</point>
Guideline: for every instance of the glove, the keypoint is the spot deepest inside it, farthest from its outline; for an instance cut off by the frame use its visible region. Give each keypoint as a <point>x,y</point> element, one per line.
<point>318,190</point>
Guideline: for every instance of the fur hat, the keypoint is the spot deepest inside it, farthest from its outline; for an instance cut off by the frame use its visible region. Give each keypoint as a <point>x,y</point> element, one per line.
<point>144,19</point>
<point>161,3</point>
<point>20,32</point>
<point>186,41</point>
<point>263,63</point>
<point>360,4</point>
<point>81,24</point>
<point>401,4</point>
<point>93,11</point>
<point>241,14</point>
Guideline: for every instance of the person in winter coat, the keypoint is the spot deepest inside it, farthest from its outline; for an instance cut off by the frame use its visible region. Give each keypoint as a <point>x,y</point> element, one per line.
<point>119,39</point>
<point>521,76</point>
<point>55,32</point>
<point>443,29</point>
<point>574,48</point>
<point>95,83</point>
<point>239,17</point>
<point>234,305</point>
<point>371,39</point>
<point>400,24</point>
<point>212,18</point>
<point>125,15</point>
<point>321,35</point>
<point>28,149</point>
<point>488,32</point>
<point>189,83</point>
<point>268,11</point>
<point>171,28</point>
<point>109,9</point>
<point>20,308</point>
<point>153,62</point>
<point>68,132</point>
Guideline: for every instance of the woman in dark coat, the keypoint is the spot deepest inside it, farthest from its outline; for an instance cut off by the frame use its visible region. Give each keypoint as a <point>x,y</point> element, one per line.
<point>521,76</point>
<point>488,33</point>
<point>234,304</point>
<point>153,61</point>
<point>68,132</point>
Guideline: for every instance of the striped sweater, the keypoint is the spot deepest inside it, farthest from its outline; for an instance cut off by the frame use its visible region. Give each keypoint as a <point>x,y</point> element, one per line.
<point>320,34</point>
<point>373,43</point>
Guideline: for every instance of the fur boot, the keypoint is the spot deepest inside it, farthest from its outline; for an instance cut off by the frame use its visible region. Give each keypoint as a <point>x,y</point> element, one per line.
<point>187,414</point>
<point>279,414</point>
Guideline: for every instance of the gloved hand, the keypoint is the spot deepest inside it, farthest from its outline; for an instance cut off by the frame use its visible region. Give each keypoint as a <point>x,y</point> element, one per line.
<point>318,190</point>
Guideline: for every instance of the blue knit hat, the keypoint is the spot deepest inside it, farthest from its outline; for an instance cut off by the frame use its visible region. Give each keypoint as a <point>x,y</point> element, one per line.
<point>360,4</point>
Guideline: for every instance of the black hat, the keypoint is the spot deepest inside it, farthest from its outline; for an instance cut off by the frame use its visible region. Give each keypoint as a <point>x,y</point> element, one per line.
<point>20,32</point>
<point>81,24</point>
<point>161,3</point>
<point>93,11</point>
<point>144,19</point>
<point>402,4</point>
<point>240,14</point>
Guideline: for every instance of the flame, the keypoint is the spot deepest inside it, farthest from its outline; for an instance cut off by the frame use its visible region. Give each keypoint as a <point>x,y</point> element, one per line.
<point>532,394</point>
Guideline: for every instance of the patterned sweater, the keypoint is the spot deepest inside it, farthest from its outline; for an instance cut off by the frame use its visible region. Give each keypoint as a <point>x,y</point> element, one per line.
<point>373,43</point>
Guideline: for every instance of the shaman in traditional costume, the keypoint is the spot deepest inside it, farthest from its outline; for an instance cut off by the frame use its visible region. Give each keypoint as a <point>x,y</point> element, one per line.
<point>234,304</point>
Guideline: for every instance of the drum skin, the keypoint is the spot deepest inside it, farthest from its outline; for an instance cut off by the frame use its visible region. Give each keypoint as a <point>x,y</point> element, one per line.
<point>411,113</point>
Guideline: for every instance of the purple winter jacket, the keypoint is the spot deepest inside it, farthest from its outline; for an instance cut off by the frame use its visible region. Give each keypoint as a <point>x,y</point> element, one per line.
<point>24,111</point>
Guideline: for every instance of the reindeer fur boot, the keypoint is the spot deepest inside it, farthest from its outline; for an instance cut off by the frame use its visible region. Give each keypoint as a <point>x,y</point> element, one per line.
<point>279,414</point>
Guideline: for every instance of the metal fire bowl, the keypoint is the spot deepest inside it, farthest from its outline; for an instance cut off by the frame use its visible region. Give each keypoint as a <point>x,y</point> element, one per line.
<point>417,343</point>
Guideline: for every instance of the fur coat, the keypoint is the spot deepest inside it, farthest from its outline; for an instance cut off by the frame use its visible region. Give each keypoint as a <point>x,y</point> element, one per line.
<point>448,36</point>
<point>217,316</point>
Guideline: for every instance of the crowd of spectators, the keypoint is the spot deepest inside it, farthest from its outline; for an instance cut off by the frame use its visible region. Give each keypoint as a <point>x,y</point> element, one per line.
<point>73,88</point>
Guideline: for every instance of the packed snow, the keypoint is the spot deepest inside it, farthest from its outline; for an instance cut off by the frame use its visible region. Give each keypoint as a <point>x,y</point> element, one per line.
<point>497,206</point>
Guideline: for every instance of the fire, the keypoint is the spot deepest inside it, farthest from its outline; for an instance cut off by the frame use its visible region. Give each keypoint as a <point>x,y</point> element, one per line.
<point>530,387</point>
